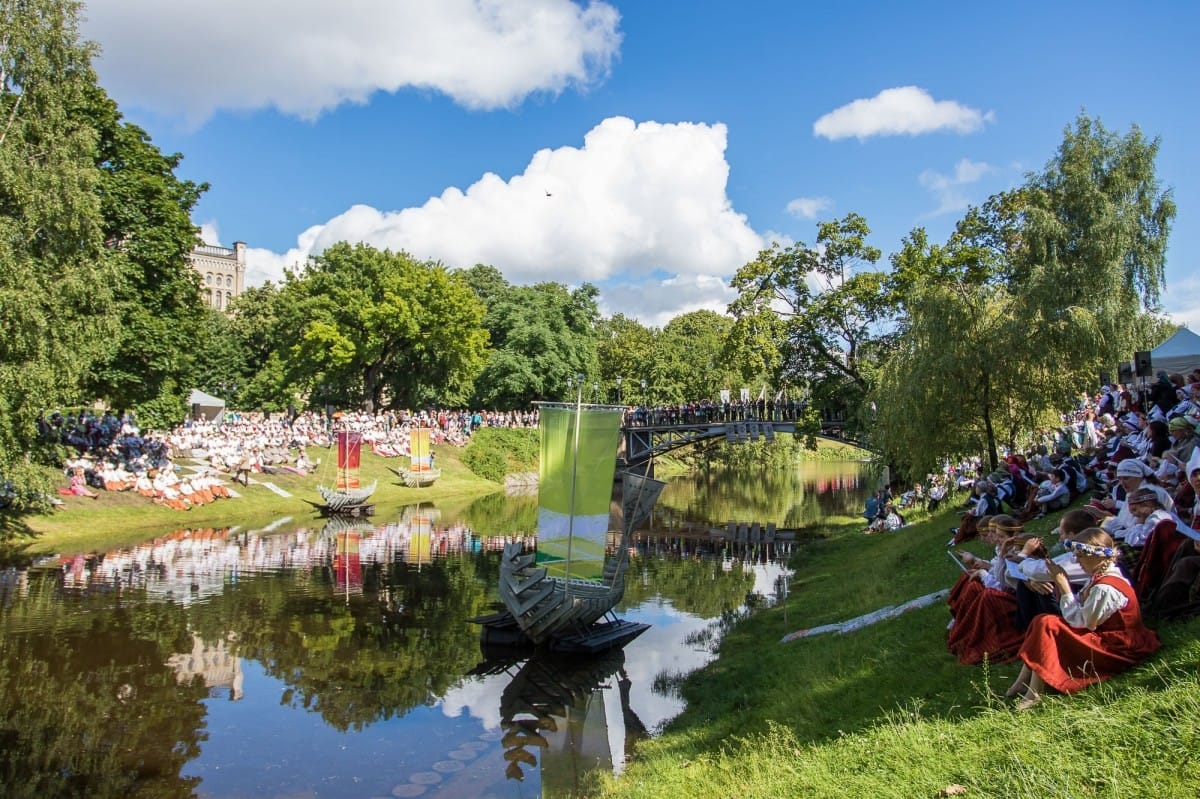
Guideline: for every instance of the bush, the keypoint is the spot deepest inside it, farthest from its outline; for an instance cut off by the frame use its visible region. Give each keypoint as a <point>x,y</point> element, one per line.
<point>494,452</point>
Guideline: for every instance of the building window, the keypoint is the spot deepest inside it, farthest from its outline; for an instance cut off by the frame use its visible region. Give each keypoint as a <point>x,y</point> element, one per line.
<point>208,278</point>
<point>229,282</point>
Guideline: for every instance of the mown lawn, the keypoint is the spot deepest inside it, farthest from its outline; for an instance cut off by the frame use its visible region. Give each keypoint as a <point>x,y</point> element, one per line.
<point>887,712</point>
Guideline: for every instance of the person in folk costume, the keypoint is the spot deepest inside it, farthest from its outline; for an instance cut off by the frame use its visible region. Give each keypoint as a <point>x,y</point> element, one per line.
<point>1056,495</point>
<point>218,489</point>
<point>985,618</point>
<point>1132,474</point>
<point>969,585</point>
<point>144,486</point>
<point>1154,541</point>
<point>1099,635</point>
<point>1178,592</point>
<point>987,503</point>
<point>1035,595</point>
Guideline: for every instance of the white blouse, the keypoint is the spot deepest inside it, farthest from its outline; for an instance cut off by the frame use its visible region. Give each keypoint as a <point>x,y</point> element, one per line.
<point>1095,603</point>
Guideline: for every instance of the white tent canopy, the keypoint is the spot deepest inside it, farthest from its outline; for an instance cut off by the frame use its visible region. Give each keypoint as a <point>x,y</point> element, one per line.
<point>1179,354</point>
<point>205,406</point>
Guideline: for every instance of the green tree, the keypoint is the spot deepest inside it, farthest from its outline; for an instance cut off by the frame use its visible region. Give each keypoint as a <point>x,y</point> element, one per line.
<point>264,345</point>
<point>690,358</point>
<point>817,317</point>
<point>1035,293</point>
<point>147,225</point>
<point>1095,234</point>
<point>541,336</point>
<point>624,349</point>
<point>384,328</point>
<point>56,314</point>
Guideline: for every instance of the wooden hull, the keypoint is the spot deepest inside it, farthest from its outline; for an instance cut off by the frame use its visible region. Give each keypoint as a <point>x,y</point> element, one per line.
<point>544,606</point>
<point>418,479</point>
<point>349,501</point>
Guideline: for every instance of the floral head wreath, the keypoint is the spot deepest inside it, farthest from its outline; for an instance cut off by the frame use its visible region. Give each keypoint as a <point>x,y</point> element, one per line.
<point>1090,549</point>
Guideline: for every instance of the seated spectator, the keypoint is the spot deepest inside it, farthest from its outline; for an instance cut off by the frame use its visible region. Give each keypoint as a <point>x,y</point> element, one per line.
<point>1099,634</point>
<point>1152,543</point>
<point>985,503</point>
<point>79,484</point>
<point>1035,594</point>
<point>984,618</point>
<point>1052,495</point>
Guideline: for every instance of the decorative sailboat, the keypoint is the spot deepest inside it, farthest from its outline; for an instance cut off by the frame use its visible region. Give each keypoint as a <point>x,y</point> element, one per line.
<point>347,496</point>
<point>420,472</point>
<point>563,595</point>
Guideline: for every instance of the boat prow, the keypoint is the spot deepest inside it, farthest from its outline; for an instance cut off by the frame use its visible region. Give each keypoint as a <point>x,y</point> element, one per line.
<point>348,501</point>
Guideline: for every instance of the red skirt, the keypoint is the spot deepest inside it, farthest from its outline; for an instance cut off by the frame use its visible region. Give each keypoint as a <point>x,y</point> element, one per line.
<point>987,628</point>
<point>1070,658</point>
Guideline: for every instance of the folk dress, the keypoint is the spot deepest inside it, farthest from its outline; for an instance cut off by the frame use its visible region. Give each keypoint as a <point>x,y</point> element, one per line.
<point>1161,540</point>
<point>985,618</point>
<point>1108,639</point>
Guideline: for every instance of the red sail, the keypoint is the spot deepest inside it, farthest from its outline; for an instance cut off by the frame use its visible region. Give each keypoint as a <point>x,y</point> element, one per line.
<point>349,452</point>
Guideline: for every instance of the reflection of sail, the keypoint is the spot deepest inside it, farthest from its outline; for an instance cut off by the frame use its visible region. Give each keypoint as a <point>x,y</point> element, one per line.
<point>347,559</point>
<point>420,539</point>
<point>638,496</point>
<point>553,714</point>
<point>570,585</point>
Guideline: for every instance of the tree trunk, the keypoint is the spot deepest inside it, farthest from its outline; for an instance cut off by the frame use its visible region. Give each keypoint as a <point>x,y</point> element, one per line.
<point>370,387</point>
<point>988,428</point>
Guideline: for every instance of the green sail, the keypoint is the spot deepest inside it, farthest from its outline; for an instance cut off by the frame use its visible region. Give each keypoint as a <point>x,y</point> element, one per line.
<point>572,535</point>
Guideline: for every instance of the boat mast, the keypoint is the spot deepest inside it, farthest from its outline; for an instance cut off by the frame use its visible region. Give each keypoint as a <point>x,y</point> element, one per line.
<point>574,477</point>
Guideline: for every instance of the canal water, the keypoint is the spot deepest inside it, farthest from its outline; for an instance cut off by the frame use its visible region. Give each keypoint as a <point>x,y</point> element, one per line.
<point>309,659</point>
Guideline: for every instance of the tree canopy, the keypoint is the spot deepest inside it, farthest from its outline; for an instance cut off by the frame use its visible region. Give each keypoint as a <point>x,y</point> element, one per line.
<point>1035,293</point>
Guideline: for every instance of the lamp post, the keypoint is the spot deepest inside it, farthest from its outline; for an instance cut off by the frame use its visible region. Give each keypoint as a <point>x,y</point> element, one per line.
<point>644,392</point>
<point>595,391</point>
<point>619,381</point>
<point>570,386</point>
<point>325,409</point>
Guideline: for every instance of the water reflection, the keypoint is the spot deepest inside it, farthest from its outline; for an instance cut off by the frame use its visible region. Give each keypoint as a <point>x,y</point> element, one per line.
<point>791,499</point>
<point>330,659</point>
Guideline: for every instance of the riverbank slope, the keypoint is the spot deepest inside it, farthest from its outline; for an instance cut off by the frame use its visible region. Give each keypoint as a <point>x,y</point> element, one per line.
<point>886,711</point>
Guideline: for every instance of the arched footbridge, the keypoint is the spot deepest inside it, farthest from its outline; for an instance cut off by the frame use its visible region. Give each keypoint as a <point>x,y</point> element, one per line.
<point>642,442</point>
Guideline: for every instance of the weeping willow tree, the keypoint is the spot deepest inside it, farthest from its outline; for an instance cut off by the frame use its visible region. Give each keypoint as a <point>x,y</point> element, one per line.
<point>1034,294</point>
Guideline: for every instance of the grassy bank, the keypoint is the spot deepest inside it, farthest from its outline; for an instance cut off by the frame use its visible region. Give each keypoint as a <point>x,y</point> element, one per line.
<point>887,712</point>
<point>118,519</point>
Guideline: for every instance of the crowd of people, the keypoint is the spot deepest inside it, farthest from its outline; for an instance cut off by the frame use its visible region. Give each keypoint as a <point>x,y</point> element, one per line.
<point>1124,472</point>
<point>190,464</point>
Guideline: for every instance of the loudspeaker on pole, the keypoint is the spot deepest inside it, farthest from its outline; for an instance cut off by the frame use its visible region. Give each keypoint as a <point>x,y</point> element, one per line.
<point>1142,363</point>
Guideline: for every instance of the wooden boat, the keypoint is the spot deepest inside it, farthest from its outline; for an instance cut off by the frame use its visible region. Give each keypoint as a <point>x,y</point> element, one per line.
<point>347,496</point>
<point>420,472</point>
<point>568,588</point>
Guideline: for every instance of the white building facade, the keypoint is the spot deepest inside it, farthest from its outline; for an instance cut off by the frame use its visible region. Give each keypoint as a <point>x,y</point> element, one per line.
<point>222,272</point>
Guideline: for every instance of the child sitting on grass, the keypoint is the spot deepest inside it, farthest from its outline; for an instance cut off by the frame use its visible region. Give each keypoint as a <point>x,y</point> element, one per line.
<point>1100,633</point>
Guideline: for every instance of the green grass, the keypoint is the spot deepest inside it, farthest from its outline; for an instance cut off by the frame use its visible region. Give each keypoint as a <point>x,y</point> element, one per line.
<point>887,712</point>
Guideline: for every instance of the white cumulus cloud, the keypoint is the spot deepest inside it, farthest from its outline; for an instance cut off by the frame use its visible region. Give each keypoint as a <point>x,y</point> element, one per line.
<point>639,202</point>
<point>1181,302</point>
<point>305,57</point>
<point>904,110</point>
<point>950,190</point>
<point>808,207</point>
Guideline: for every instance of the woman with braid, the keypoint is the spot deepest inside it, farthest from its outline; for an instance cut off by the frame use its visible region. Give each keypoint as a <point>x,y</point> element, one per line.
<point>1100,633</point>
<point>985,623</point>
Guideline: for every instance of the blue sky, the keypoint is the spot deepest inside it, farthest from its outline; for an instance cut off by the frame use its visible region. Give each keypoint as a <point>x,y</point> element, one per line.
<point>650,147</point>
